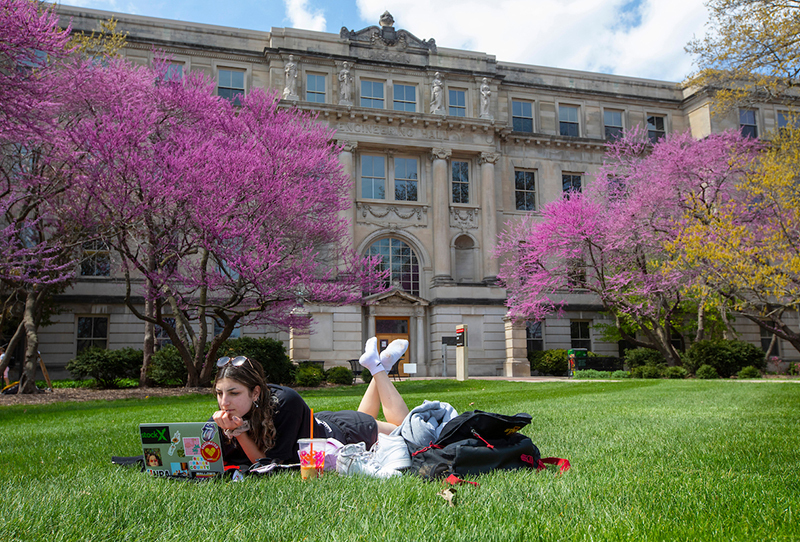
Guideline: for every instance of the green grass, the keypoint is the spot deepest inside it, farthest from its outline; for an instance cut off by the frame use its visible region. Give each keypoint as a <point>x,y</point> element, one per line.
<point>651,460</point>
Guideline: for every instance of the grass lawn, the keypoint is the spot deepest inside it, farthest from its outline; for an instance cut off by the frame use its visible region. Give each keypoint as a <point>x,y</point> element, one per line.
<point>651,460</point>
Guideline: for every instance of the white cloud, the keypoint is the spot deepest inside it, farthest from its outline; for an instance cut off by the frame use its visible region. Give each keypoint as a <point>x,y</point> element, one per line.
<point>591,35</point>
<point>301,16</point>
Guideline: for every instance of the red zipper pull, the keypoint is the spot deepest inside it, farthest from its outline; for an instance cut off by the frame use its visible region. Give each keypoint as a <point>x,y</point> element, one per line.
<point>481,438</point>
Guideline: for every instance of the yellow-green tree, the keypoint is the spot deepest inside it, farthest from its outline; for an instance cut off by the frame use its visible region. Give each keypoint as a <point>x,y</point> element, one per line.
<point>751,53</point>
<point>749,246</point>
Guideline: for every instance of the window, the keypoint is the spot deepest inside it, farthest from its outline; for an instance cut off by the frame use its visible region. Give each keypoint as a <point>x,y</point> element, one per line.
<point>230,85</point>
<point>656,127</point>
<point>613,124</point>
<point>405,179</point>
<point>236,333</point>
<point>535,336</point>
<point>96,260</point>
<point>174,72</point>
<point>786,119</point>
<point>372,94</point>
<point>92,332</point>
<point>747,123</point>
<point>570,182</point>
<point>405,98</point>
<point>460,181</point>
<point>315,88</point>
<point>522,116</point>
<point>457,104</point>
<point>401,262</point>
<point>162,339</point>
<point>766,343</point>
<point>579,334</point>
<point>525,190</point>
<point>373,177</point>
<point>568,120</point>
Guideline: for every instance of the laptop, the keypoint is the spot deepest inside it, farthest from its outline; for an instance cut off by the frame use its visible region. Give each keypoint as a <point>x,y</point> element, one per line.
<point>186,449</point>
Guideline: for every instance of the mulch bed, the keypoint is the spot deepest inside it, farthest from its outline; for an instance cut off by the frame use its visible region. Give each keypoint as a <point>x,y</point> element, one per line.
<point>91,394</point>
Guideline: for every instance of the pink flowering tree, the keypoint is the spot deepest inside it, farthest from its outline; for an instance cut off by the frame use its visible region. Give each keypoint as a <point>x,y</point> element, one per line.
<point>611,241</point>
<point>36,253</point>
<point>218,214</point>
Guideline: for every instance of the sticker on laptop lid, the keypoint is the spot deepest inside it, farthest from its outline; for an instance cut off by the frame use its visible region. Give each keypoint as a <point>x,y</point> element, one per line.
<point>176,438</point>
<point>191,445</point>
<point>210,451</point>
<point>209,430</point>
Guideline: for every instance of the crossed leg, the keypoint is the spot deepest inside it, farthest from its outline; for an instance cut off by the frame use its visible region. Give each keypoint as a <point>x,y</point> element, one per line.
<point>381,392</point>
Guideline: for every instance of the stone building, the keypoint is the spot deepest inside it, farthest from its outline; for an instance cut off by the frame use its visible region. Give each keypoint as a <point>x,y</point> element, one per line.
<point>444,147</point>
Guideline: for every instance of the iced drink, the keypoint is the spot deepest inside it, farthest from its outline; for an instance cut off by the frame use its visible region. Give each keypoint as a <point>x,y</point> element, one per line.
<point>312,457</point>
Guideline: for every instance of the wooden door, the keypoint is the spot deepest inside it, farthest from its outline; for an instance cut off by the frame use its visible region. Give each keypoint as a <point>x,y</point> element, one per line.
<point>389,329</point>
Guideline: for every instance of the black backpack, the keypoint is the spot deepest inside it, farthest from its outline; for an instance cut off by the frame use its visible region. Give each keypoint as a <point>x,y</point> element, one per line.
<point>474,443</point>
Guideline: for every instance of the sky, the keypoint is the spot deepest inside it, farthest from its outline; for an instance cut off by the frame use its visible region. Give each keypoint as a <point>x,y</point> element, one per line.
<point>638,38</point>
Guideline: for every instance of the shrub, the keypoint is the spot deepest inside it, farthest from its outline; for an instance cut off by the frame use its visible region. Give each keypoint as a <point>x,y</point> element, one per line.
<point>339,375</point>
<point>535,358</point>
<point>366,376</point>
<point>167,368</point>
<point>749,372</point>
<point>552,362</point>
<point>676,372</point>
<point>651,371</point>
<point>591,373</point>
<point>271,353</point>
<point>107,367</point>
<point>706,372</point>
<point>639,357</point>
<point>308,375</point>
<point>620,374</point>
<point>727,357</point>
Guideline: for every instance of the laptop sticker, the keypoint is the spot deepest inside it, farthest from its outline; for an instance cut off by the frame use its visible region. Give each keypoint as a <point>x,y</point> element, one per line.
<point>152,457</point>
<point>211,451</point>
<point>176,438</point>
<point>198,463</point>
<point>191,445</point>
<point>180,469</point>
<point>209,430</point>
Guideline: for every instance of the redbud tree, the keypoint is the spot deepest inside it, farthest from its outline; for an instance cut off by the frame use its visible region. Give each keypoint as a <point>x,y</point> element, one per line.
<point>610,242</point>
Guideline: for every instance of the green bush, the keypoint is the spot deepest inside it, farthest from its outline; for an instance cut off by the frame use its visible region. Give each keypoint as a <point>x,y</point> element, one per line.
<point>535,358</point>
<point>592,373</point>
<point>366,376</point>
<point>620,374</point>
<point>339,375</point>
<point>308,375</point>
<point>749,372</point>
<point>639,357</point>
<point>726,357</point>
<point>676,372</point>
<point>271,353</point>
<point>552,362</point>
<point>167,368</point>
<point>651,371</point>
<point>107,367</point>
<point>706,372</point>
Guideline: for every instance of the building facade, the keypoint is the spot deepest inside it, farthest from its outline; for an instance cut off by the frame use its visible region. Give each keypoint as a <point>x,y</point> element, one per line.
<point>444,147</point>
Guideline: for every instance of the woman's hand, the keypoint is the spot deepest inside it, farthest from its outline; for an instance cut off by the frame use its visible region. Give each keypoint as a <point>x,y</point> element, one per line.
<point>227,421</point>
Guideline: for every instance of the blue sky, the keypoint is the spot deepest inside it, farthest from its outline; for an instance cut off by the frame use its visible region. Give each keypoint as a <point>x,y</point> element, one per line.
<point>640,38</point>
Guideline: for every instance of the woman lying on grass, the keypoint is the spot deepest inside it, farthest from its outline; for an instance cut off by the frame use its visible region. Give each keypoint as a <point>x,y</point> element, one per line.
<point>263,421</point>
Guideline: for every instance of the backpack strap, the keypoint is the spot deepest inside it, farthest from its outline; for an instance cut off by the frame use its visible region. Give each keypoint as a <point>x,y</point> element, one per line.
<point>563,464</point>
<point>454,480</point>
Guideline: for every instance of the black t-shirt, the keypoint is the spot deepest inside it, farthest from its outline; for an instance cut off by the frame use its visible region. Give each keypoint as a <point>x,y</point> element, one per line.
<point>292,419</point>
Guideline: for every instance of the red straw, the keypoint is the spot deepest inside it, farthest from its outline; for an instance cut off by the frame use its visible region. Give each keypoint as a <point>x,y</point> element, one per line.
<point>312,428</point>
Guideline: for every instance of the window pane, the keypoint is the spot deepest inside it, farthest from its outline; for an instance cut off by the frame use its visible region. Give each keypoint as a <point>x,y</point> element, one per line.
<point>460,182</point>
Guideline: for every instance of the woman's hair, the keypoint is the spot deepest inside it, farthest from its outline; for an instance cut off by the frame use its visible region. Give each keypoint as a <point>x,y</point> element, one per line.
<point>262,426</point>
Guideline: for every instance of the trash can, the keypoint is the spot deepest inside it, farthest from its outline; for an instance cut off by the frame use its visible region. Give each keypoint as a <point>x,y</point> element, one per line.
<point>577,359</point>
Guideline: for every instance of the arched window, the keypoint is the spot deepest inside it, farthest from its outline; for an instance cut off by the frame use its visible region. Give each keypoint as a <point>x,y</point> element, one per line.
<point>401,261</point>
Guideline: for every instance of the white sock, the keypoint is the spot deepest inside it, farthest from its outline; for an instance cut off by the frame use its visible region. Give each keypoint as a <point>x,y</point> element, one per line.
<point>370,359</point>
<point>393,352</point>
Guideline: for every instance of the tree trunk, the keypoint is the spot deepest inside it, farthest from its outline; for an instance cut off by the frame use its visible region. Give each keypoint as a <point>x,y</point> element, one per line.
<point>701,320</point>
<point>30,320</point>
<point>12,345</point>
<point>149,345</point>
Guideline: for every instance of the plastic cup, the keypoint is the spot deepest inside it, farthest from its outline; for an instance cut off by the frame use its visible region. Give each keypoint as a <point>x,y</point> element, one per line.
<point>311,463</point>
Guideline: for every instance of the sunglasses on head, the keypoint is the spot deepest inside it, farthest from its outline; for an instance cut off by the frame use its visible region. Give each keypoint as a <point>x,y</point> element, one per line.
<point>238,361</point>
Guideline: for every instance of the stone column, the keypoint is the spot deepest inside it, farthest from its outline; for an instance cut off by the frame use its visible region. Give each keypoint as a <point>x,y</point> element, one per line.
<point>300,339</point>
<point>419,314</point>
<point>347,157</point>
<point>517,363</point>
<point>441,217</point>
<point>371,321</point>
<point>488,215</point>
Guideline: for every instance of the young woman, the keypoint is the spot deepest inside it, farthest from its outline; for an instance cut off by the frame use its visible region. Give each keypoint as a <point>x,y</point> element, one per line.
<point>260,420</point>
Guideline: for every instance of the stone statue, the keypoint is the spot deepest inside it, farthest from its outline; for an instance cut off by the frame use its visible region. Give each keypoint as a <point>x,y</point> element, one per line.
<point>486,93</point>
<point>345,85</point>
<point>290,90</point>
<point>386,19</point>
<point>437,95</point>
